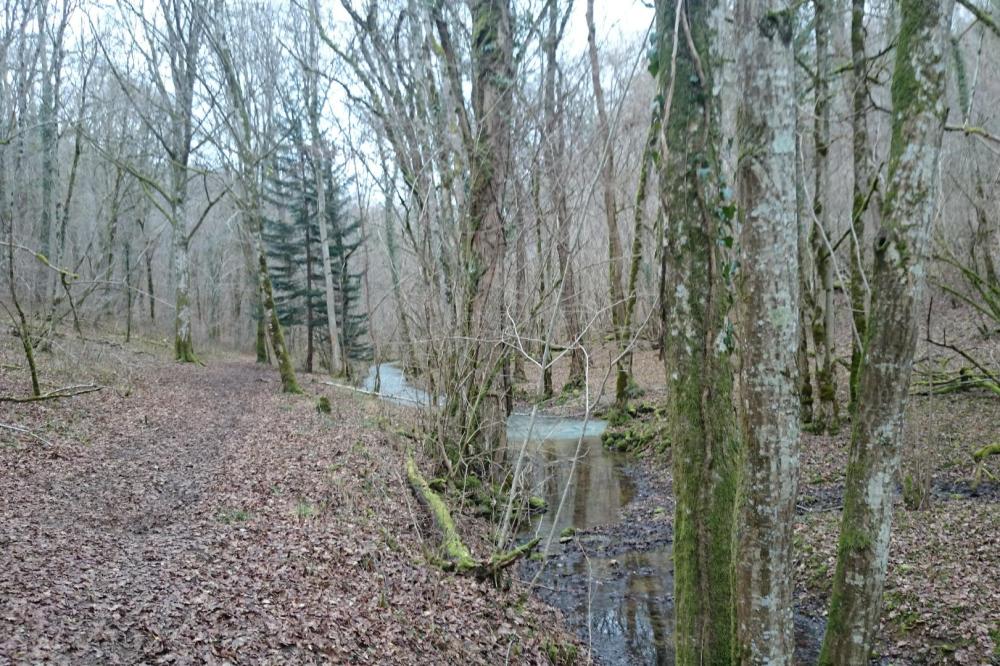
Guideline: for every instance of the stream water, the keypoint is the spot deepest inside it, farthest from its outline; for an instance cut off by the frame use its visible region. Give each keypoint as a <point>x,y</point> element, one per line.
<point>612,580</point>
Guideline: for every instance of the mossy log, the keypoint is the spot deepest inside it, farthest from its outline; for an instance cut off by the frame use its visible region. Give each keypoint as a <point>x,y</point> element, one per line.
<point>455,551</point>
<point>988,450</point>
<point>457,556</point>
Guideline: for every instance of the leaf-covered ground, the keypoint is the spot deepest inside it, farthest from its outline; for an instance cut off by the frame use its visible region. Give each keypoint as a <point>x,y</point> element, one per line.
<point>194,514</point>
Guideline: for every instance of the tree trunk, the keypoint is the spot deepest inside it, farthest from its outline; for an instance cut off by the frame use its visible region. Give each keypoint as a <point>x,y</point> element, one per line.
<point>826,417</point>
<point>610,208</point>
<point>310,315</point>
<point>918,103</point>
<point>484,419</point>
<point>652,141</point>
<point>863,186</point>
<point>337,366</point>
<point>289,384</point>
<point>183,347</point>
<point>553,156</point>
<point>148,256</point>
<point>768,332</point>
<point>697,343</point>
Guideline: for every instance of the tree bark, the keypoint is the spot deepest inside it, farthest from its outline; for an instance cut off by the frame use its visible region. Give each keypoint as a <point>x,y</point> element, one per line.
<point>697,342</point>
<point>918,102</point>
<point>553,157</point>
<point>183,346</point>
<point>768,332</point>
<point>826,416</point>
<point>863,189</point>
<point>484,419</point>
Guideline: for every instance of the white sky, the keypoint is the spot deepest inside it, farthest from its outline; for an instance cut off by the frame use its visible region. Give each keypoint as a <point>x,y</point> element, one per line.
<point>614,20</point>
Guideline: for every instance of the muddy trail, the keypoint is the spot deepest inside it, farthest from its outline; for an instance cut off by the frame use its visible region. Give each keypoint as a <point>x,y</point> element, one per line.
<point>206,518</point>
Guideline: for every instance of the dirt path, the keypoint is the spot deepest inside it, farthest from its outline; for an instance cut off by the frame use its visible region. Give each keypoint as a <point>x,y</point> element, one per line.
<point>206,518</point>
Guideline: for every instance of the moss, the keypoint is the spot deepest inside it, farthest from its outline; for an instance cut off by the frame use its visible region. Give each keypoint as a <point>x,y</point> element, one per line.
<point>230,516</point>
<point>561,654</point>
<point>537,504</point>
<point>455,551</point>
<point>323,405</point>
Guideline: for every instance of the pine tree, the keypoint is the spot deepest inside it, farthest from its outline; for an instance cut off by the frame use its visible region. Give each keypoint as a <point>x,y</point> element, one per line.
<point>292,237</point>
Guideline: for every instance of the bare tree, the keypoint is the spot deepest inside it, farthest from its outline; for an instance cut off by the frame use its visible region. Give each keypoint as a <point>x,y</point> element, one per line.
<point>314,108</point>
<point>252,143</point>
<point>919,112</point>
<point>615,294</point>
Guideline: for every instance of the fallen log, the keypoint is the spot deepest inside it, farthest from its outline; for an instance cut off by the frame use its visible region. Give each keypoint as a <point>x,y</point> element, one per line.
<point>988,450</point>
<point>455,551</point>
<point>457,556</point>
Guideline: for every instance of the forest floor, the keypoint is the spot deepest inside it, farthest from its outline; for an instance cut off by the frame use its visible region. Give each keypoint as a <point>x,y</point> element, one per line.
<point>189,513</point>
<point>195,514</point>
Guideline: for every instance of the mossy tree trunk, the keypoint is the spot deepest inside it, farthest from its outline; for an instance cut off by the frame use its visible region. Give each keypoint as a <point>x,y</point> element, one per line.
<point>697,339</point>
<point>624,370</point>
<point>183,345</point>
<point>483,415</point>
<point>289,384</point>
<point>245,139</point>
<point>767,327</point>
<point>826,417</point>
<point>862,189</point>
<point>918,103</point>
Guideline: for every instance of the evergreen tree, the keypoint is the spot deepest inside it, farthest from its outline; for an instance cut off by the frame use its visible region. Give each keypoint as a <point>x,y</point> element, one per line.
<point>292,237</point>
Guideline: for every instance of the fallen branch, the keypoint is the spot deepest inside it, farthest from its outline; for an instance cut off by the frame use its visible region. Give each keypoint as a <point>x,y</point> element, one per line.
<point>25,431</point>
<point>457,555</point>
<point>501,561</point>
<point>65,392</point>
<point>988,450</point>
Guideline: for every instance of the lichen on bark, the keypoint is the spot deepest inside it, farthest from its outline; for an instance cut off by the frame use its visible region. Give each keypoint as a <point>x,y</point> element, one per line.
<point>697,338</point>
<point>767,328</point>
<point>918,102</point>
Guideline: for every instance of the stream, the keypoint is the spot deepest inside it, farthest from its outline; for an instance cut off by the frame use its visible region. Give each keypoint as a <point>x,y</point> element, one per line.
<point>613,577</point>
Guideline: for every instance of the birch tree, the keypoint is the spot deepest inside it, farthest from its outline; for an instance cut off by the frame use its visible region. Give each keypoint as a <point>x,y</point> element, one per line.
<point>767,330</point>
<point>918,117</point>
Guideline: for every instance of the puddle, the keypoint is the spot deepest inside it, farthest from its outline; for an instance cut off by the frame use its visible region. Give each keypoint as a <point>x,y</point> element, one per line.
<point>618,600</point>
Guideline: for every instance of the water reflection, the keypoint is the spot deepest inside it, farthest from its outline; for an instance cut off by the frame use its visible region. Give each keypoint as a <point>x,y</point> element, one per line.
<point>620,599</point>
